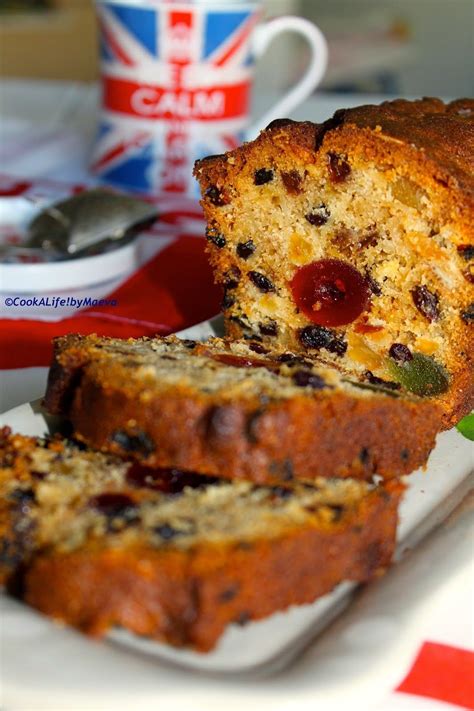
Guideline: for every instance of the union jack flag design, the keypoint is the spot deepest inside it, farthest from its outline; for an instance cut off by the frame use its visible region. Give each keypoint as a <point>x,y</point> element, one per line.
<point>176,86</point>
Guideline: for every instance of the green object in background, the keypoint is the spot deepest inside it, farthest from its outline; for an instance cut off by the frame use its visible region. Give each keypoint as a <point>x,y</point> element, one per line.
<point>466,426</point>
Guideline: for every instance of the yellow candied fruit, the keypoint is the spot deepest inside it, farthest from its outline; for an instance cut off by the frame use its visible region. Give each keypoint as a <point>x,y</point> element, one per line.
<point>359,351</point>
<point>268,303</point>
<point>377,335</point>
<point>408,192</point>
<point>300,250</point>
<point>426,346</point>
<point>425,246</point>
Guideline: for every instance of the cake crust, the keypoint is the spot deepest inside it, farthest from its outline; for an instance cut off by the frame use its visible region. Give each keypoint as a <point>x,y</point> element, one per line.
<point>420,154</point>
<point>100,568</point>
<point>260,428</point>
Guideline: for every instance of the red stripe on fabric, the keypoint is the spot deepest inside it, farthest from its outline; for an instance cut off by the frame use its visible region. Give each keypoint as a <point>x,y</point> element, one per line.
<point>13,189</point>
<point>240,38</point>
<point>442,672</point>
<point>172,291</point>
<point>117,151</point>
<point>158,102</point>
<point>115,46</point>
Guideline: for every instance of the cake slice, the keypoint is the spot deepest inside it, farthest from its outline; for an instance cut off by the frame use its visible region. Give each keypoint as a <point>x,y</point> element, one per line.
<point>96,542</point>
<point>354,240</point>
<point>235,409</point>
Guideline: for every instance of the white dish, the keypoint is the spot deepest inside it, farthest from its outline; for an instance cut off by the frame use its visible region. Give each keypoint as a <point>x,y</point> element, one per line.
<point>67,275</point>
<point>258,649</point>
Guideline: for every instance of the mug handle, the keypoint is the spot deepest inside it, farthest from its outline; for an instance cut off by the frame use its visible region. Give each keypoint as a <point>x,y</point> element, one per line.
<point>262,36</point>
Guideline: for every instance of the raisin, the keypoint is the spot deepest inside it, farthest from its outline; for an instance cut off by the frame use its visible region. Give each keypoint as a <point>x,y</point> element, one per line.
<point>306,378</point>
<point>292,182</point>
<point>139,442</point>
<point>338,167</point>
<point>405,455</point>
<point>466,251</point>
<point>337,346</point>
<point>167,532</point>
<point>292,359</point>
<point>230,284</point>
<point>262,176</point>
<point>319,337</point>
<point>364,455</point>
<point>189,343</point>
<point>315,336</point>
<point>374,286</point>
<point>23,498</point>
<point>400,353</point>
<point>468,273</point>
<point>245,249</point>
<point>269,328</point>
<point>216,238</point>
<point>368,239</point>
<point>468,314</point>
<point>257,348</point>
<point>374,380</point>
<point>168,481</point>
<point>227,301</point>
<point>114,505</point>
<point>215,196</point>
<point>337,512</point>
<point>318,215</point>
<point>426,302</point>
<point>39,475</point>
<point>262,282</point>
<point>281,491</point>
<point>229,593</point>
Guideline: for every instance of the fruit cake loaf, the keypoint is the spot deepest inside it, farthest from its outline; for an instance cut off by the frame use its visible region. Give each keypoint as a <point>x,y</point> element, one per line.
<point>97,542</point>
<point>354,239</point>
<point>234,409</point>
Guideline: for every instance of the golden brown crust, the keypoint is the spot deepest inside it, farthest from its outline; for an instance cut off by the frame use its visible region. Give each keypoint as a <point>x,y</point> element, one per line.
<point>188,600</point>
<point>183,596</point>
<point>342,434</point>
<point>427,142</point>
<point>443,132</point>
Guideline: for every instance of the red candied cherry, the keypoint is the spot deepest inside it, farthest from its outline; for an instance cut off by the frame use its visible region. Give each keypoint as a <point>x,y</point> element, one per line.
<point>330,292</point>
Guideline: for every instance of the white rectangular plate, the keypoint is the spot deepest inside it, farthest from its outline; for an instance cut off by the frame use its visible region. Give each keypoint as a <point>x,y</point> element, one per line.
<point>268,645</point>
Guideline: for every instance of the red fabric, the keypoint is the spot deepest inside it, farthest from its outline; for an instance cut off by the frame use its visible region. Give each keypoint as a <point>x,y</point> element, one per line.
<point>442,672</point>
<point>172,291</point>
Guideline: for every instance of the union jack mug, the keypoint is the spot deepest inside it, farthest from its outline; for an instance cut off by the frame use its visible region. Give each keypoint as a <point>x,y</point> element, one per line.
<point>176,82</point>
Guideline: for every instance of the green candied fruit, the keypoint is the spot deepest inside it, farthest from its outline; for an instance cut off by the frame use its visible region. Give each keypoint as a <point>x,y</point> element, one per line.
<point>421,375</point>
<point>466,426</point>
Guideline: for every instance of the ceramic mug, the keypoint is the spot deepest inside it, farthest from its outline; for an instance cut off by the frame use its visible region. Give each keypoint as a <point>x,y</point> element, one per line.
<point>178,75</point>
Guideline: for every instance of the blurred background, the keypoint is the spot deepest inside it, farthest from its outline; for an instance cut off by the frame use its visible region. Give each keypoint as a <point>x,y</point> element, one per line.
<point>406,47</point>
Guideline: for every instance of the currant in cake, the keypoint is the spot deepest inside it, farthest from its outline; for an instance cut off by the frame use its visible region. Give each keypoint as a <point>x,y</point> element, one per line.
<point>235,409</point>
<point>97,542</point>
<point>354,240</point>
